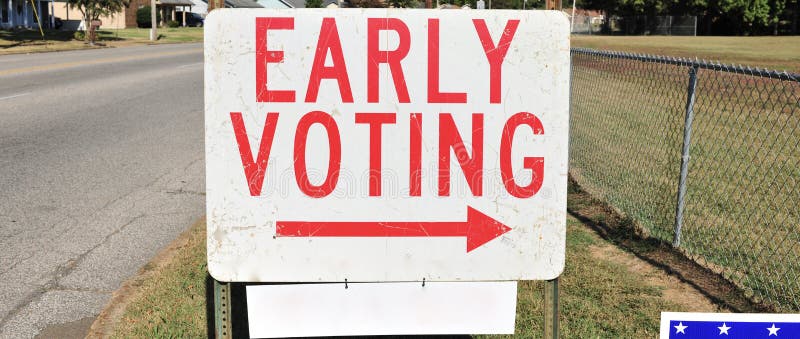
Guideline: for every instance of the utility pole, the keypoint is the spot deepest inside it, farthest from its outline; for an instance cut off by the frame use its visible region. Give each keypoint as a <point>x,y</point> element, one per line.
<point>572,20</point>
<point>153,22</point>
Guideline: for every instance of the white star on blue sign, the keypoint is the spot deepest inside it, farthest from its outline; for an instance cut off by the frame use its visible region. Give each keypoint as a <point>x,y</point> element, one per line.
<point>773,330</point>
<point>731,329</point>
<point>724,329</point>
<point>729,325</point>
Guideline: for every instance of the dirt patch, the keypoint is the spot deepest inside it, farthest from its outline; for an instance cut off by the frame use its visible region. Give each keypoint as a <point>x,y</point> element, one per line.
<point>109,317</point>
<point>627,234</point>
<point>673,289</point>
<point>76,329</point>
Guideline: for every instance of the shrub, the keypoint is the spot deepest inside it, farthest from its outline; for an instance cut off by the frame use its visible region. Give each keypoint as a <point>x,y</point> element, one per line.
<point>173,24</point>
<point>143,17</point>
<point>79,35</point>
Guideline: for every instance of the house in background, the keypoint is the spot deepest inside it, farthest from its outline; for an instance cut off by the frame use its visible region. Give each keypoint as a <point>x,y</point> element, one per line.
<point>72,17</point>
<point>168,9</point>
<point>276,4</point>
<point>20,13</point>
<point>199,7</point>
<point>232,4</point>
<point>242,4</point>
<point>279,4</point>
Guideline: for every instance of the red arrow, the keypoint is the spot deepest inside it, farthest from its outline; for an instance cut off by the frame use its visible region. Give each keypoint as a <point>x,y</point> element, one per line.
<point>479,228</point>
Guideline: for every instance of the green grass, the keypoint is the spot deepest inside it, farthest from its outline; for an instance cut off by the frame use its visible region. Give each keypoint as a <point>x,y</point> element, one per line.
<point>741,213</point>
<point>170,302</point>
<point>780,53</point>
<point>599,297</point>
<point>166,35</point>
<point>29,41</point>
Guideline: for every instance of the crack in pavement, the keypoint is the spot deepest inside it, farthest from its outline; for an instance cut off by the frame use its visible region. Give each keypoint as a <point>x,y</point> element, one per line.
<point>93,215</point>
<point>15,265</point>
<point>181,191</point>
<point>60,272</point>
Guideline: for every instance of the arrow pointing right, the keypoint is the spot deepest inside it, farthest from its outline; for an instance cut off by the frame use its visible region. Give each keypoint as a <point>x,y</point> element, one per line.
<point>479,229</point>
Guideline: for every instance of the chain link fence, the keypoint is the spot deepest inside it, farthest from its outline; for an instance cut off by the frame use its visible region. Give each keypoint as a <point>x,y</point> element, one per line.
<point>701,155</point>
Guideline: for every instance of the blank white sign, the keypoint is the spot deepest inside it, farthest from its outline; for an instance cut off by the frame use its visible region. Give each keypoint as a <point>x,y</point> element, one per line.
<point>301,310</point>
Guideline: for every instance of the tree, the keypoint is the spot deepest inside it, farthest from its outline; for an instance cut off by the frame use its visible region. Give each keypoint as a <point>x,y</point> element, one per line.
<point>143,17</point>
<point>368,3</point>
<point>94,9</point>
<point>402,3</point>
<point>719,17</point>
<point>313,3</point>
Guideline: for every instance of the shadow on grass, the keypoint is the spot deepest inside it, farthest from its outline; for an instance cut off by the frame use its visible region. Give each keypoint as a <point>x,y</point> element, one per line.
<point>108,36</point>
<point>626,234</point>
<point>15,38</point>
<point>27,37</point>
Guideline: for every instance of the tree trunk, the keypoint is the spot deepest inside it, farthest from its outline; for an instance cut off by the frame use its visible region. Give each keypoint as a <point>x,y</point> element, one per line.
<point>86,25</point>
<point>90,32</point>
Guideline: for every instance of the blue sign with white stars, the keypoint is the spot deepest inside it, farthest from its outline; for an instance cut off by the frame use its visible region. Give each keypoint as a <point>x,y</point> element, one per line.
<point>729,325</point>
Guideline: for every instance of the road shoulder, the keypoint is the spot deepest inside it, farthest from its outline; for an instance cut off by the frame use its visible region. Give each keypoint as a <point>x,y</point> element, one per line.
<point>164,267</point>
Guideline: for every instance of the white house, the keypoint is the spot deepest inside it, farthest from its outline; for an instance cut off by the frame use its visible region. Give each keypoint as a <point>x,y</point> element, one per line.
<point>279,4</point>
<point>200,7</point>
<point>282,3</point>
<point>20,13</point>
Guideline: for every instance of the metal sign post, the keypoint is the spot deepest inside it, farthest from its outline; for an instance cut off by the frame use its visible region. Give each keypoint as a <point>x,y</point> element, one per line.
<point>222,310</point>
<point>551,286</point>
<point>551,309</point>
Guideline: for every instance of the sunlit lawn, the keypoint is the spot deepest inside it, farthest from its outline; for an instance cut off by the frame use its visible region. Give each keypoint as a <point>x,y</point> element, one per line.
<point>31,41</point>
<point>781,52</point>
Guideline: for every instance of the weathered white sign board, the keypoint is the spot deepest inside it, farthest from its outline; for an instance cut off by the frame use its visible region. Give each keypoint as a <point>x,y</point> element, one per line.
<point>386,145</point>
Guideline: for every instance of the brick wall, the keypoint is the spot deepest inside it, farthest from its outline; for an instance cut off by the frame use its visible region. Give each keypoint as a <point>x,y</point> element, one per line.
<point>130,12</point>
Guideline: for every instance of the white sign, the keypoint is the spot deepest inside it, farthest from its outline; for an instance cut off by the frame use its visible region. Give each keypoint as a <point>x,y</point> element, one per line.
<point>386,145</point>
<point>276,311</point>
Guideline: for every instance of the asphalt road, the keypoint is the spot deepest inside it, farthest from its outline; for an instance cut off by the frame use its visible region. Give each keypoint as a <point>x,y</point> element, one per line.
<point>101,166</point>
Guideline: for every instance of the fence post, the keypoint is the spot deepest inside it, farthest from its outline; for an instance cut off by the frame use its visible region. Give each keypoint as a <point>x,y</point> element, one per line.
<point>687,138</point>
<point>669,27</point>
